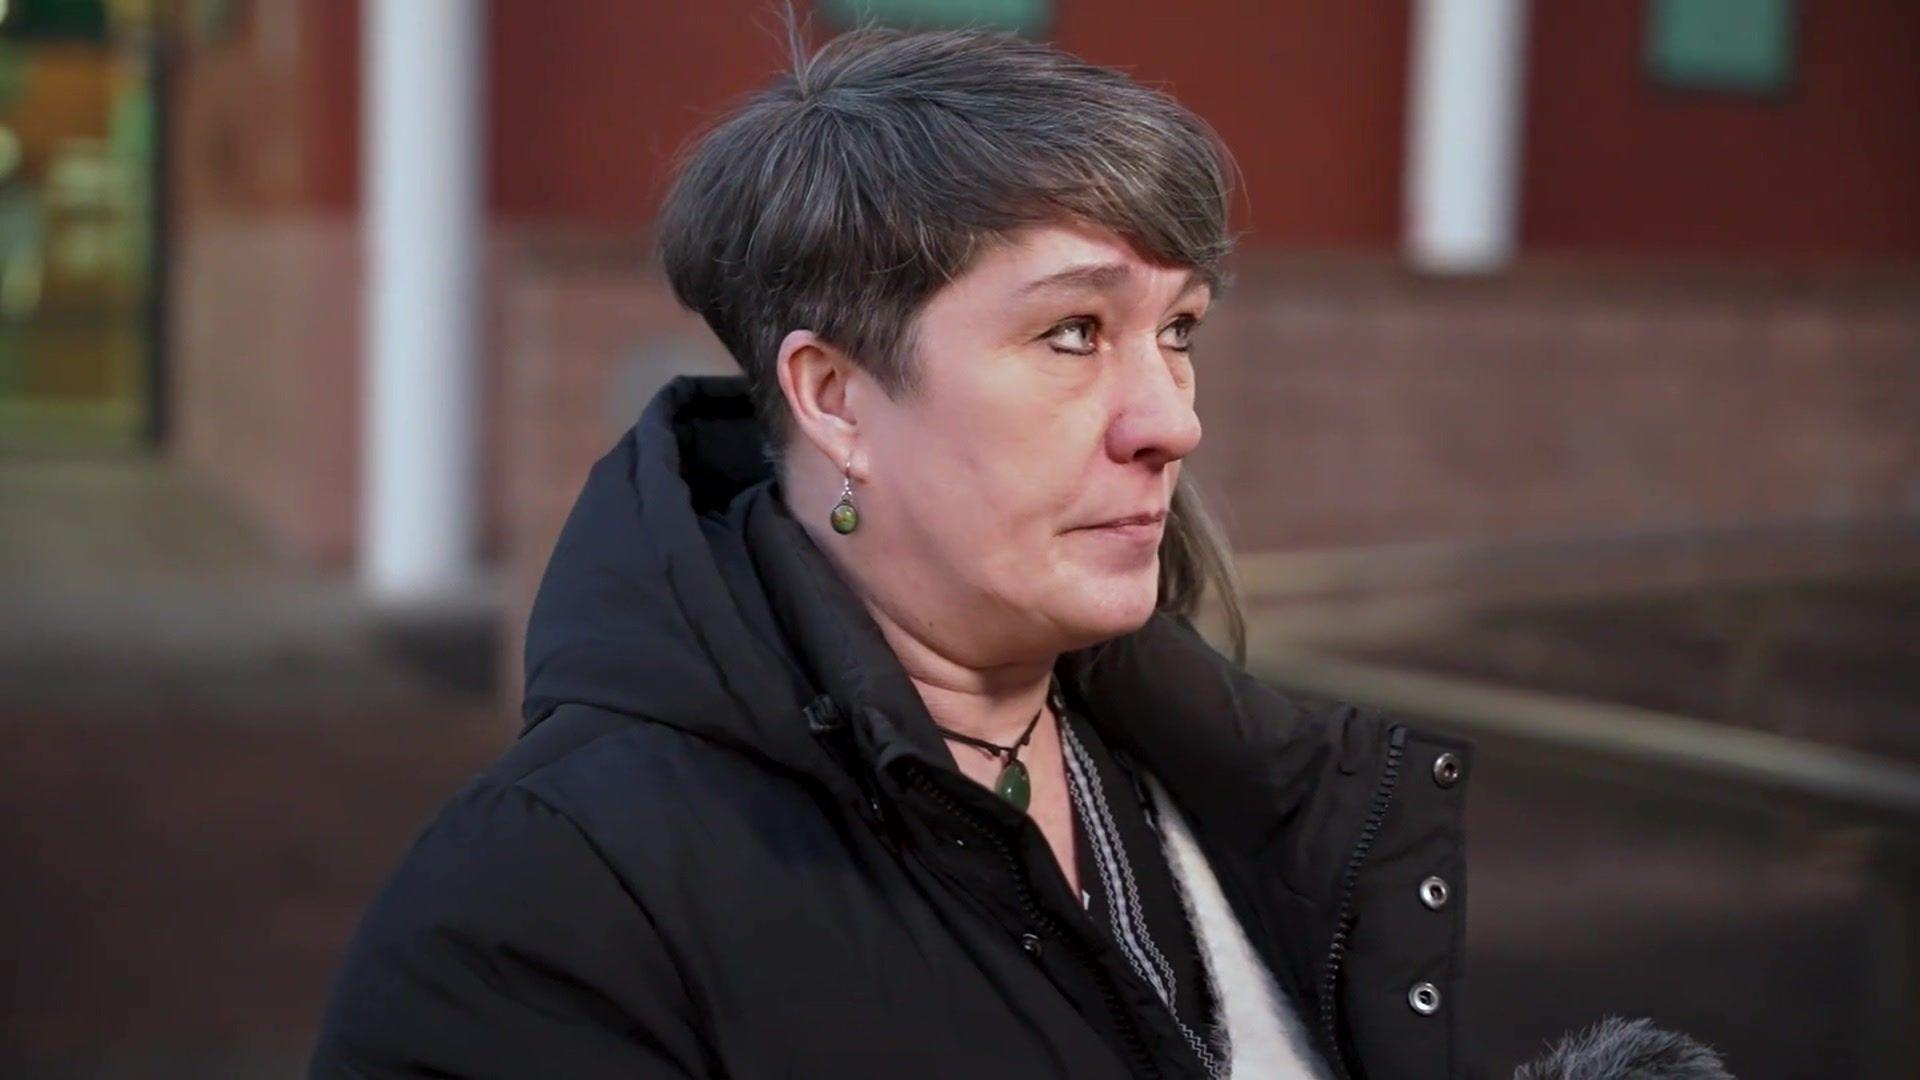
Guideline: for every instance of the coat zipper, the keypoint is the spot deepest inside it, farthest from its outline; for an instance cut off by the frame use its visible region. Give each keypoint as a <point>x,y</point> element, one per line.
<point>1343,923</point>
<point>1048,923</point>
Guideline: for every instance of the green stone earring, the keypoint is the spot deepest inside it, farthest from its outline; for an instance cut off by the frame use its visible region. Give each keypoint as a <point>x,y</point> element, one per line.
<point>844,517</point>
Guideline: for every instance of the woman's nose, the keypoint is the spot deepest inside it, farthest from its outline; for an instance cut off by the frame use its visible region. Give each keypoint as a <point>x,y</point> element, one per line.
<point>1155,420</point>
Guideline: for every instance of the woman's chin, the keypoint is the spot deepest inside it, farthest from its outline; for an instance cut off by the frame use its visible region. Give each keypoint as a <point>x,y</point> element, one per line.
<point>1110,606</point>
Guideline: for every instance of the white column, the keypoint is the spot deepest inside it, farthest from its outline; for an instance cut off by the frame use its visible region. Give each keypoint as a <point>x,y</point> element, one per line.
<point>1464,112</point>
<point>422,193</point>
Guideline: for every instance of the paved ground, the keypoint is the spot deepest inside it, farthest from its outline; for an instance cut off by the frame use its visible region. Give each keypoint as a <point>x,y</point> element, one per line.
<point>178,889</point>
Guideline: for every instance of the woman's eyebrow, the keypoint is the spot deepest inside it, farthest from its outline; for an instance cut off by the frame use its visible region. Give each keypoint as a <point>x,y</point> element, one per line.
<point>1096,276</point>
<point>1100,277</point>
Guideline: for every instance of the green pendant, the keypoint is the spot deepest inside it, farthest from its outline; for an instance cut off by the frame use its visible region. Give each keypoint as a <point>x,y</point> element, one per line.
<point>844,517</point>
<point>1012,784</point>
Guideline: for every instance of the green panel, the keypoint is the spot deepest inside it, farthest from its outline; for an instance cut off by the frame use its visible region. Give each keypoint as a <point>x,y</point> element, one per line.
<point>1740,45</point>
<point>1022,16</point>
<point>69,20</point>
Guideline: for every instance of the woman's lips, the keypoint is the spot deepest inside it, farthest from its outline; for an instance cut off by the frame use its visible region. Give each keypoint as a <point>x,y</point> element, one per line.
<point>1137,529</point>
<point>1136,533</point>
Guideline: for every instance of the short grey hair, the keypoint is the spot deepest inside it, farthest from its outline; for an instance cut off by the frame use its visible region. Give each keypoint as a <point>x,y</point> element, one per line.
<point>840,198</point>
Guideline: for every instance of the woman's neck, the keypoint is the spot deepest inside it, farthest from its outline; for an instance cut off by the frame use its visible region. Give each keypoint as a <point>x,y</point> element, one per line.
<point>994,702</point>
<point>996,716</point>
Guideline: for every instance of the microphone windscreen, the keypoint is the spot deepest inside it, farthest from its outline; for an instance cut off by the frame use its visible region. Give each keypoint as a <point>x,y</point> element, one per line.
<point>1616,1049</point>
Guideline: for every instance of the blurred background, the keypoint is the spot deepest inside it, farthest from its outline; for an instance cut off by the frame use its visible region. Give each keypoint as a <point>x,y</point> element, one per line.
<point>1567,399</point>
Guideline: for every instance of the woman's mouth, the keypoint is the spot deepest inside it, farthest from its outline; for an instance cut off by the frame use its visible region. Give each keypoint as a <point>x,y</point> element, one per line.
<point>1143,528</point>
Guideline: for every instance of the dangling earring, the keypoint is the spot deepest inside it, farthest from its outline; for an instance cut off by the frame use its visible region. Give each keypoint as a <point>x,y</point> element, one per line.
<point>844,517</point>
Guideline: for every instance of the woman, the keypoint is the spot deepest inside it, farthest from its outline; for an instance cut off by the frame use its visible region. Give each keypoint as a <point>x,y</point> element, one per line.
<point>867,732</point>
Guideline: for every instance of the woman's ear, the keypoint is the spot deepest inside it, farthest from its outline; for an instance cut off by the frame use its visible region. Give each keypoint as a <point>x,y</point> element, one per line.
<point>815,377</point>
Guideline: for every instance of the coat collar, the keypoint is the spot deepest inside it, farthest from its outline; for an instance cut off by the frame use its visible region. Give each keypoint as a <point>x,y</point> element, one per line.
<point>1240,757</point>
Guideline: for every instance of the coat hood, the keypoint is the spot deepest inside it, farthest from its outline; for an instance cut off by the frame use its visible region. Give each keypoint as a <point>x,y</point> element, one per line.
<point>649,605</point>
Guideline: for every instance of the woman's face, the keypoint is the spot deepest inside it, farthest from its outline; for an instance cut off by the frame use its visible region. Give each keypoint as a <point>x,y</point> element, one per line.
<point>1014,500</point>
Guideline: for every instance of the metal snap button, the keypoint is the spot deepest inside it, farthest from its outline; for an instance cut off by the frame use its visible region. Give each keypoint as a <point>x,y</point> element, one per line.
<point>1425,998</point>
<point>1446,770</point>
<point>1031,943</point>
<point>1434,893</point>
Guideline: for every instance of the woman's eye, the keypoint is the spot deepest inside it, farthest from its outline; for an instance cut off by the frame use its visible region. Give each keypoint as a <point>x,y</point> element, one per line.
<point>1073,336</point>
<point>1178,335</point>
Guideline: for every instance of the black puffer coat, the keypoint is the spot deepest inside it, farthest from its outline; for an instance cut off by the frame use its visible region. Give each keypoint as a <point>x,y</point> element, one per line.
<point>730,842</point>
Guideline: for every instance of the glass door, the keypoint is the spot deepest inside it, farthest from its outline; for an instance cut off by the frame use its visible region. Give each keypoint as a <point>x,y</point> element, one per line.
<point>78,111</point>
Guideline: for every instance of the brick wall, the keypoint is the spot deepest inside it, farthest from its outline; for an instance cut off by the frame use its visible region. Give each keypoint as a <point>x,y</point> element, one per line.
<point>266,373</point>
<point>1357,405</point>
<point>266,358</point>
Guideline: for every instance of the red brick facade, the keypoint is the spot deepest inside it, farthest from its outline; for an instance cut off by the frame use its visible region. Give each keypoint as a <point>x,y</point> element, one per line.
<point>1347,403</point>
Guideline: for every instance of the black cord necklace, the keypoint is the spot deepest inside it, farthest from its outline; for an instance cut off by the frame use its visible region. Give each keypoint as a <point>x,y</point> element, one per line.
<point>1013,784</point>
